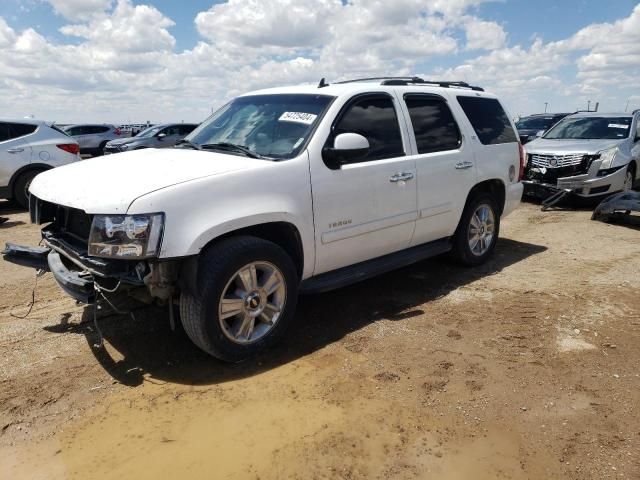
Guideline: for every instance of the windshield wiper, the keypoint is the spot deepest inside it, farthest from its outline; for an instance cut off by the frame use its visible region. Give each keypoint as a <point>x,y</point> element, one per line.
<point>233,147</point>
<point>188,143</point>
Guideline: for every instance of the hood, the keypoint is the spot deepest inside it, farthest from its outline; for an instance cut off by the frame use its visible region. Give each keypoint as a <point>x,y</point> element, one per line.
<point>110,184</point>
<point>568,146</point>
<point>122,141</point>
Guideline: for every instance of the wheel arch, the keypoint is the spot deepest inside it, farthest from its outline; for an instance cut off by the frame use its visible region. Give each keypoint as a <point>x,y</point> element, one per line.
<point>494,187</point>
<point>283,233</point>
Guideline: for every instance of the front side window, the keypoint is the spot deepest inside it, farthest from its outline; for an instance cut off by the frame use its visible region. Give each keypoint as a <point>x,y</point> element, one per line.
<point>488,119</point>
<point>590,128</point>
<point>373,117</point>
<point>275,126</point>
<point>434,127</point>
<point>5,132</point>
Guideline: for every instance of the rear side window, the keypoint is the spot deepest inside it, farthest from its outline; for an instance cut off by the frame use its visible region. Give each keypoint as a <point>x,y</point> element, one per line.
<point>9,131</point>
<point>100,129</point>
<point>434,127</point>
<point>373,117</point>
<point>488,119</point>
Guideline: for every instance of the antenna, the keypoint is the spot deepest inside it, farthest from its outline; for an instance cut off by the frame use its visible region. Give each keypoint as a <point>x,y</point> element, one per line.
<point>322,83</point>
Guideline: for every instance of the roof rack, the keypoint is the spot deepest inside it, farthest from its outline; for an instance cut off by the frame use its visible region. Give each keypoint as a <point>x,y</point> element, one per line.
<point>415,81</point>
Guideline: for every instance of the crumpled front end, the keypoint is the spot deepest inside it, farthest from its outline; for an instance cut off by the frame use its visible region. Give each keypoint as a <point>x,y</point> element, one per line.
<point>64,253</point>
<point>579,174</point>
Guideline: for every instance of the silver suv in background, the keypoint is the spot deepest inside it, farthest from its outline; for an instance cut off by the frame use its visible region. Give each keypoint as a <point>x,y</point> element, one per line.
<point>92,138</point>
<point>158,136</point>
<point>587,154</point>
<point>27,148</point>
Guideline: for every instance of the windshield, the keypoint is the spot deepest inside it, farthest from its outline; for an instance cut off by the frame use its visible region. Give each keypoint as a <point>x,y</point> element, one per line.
<point>535,123</point>
<point>149,132</point>
<point>274,126</point>
<point>591,128</point>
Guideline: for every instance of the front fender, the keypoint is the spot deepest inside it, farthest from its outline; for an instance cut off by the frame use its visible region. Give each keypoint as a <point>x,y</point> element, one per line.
<point>199,211</point>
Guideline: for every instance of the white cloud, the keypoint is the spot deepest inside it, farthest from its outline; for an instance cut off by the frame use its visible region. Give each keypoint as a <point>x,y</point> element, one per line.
<point>122,62</point>
<point>79,9</point>
<point>483,35</point>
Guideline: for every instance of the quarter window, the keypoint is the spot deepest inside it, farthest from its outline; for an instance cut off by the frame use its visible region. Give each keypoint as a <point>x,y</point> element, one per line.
<point>489,120</point>
<point>434,127</point>
<point>373,117</point>
<point>9,131</point>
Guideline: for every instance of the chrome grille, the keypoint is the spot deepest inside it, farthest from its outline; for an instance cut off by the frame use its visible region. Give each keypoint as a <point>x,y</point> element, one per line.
<point>556,161</point>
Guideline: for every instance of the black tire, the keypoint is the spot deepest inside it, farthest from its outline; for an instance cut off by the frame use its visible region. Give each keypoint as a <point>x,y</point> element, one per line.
<point>217,266</point>
<point>100,151</point>
<point>21,186</point>
<point>461,251</point>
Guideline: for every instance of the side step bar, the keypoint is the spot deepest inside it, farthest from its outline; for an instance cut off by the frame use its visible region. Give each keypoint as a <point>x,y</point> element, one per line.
<point>370,268</point>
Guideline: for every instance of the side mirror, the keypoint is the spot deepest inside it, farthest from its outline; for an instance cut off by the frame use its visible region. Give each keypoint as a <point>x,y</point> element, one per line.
<point>161,136</point>
<point>539,133</point>
<point>347,148</point>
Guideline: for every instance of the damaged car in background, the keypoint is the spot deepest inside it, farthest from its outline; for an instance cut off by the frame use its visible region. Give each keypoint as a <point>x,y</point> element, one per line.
<point>585,154</point>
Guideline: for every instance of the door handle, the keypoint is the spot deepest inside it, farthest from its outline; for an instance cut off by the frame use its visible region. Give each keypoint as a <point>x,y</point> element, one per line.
<point>463,165</point>
<point>401,177</point>
<point>15,150</point>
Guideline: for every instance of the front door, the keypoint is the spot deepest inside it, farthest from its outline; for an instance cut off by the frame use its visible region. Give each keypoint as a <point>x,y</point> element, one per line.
<point>365,209</point>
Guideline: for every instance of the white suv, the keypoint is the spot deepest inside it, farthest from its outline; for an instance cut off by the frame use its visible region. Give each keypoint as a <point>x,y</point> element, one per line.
<point>28,147</point>
<point>281,191</point>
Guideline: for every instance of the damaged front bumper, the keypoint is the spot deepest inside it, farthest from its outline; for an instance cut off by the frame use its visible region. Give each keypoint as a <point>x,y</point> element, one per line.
<point>78,284</point>
<point>588,185</point>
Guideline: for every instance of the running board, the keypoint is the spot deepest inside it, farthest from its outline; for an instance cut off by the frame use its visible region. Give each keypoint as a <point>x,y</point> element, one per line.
<point>371,268</point>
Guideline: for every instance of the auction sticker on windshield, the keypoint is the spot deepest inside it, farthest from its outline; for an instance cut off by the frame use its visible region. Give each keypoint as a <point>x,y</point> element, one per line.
<point>298,117</point>
<point>618,125</point>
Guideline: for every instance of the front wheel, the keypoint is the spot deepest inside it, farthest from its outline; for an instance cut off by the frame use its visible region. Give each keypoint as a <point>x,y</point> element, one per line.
<point>477,233</point>
<point>629,179</point>
<point>245,298</point>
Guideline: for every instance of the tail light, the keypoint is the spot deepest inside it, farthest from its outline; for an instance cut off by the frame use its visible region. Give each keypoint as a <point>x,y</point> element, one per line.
<point>72,148</point>
<point>523,161</point>
<point>117,131</point>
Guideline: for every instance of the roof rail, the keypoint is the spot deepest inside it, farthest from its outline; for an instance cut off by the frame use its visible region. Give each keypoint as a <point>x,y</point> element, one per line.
<point>416,81</point>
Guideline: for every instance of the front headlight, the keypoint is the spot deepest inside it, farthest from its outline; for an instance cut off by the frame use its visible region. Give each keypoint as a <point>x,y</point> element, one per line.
<point>607,157</point>
<point>126,236</point>
<point>124,146</point>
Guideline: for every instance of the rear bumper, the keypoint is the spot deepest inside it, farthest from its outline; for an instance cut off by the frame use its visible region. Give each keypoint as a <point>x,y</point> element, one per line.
<point>77,284</point>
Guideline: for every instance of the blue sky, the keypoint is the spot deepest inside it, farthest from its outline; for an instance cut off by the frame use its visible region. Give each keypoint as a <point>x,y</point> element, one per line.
<point>123,58</point>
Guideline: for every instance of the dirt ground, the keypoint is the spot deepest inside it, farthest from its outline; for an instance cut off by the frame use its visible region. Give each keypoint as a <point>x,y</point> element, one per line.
<point>525,368</point>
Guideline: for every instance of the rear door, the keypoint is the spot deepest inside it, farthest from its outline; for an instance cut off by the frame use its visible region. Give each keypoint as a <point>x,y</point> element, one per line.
<point>495,143</point>
<point>364,209</point>
<point>14,150</point>
<point>444,162</point>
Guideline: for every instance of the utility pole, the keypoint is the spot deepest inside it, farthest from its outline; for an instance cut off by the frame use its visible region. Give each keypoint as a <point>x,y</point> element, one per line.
<point>545,106</point>
<point>588,105</point>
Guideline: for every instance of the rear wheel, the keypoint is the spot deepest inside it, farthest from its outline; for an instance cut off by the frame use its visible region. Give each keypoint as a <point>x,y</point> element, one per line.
<point>245,298</point>
<point>21,187</point>
<point>477,233</point>
<point>100,151</point>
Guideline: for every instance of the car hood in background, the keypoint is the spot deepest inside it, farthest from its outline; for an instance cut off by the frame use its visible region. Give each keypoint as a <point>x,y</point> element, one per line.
<point>123,141</point>
<point>110,184</point>
<point>562,147</point>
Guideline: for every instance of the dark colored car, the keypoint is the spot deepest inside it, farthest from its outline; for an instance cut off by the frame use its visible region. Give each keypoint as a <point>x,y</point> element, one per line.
<point>534,126</point>
<point>158,136</point>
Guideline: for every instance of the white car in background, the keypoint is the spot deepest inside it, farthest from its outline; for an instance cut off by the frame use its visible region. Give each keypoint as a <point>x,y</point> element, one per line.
<point>28,147</point>
<point>92,138</point>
